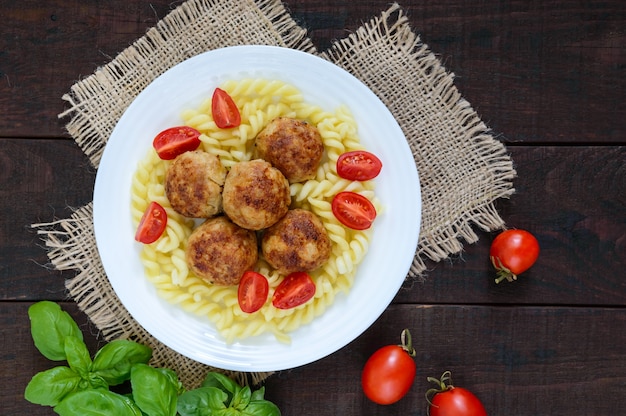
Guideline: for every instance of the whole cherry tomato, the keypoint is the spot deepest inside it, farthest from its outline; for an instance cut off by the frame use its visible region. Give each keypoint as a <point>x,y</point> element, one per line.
<point>295,289</point>
<point>358,165</point>
<point>225,111</point>
<point>252,291</point>
<point>175,141</point>
<point>513,252</point>
<point>152,224</point>
<point>353,210</point>
<point>453,401</point>
<point>389,373</point>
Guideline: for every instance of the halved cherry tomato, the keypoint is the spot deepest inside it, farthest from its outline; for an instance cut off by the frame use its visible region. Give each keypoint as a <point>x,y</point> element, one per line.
<point>295,289</point>
<point>225,111</point>
<point>175,141</point>
<point>513,252</point>
<point>353,210</point>
<point>358,165</point>
<point>389,373</point>
<point>452,401</point>
<point>252,291</point>
<point>152,224</point>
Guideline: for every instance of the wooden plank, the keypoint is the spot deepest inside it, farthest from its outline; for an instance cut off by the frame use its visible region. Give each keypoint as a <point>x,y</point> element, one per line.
<point>534,75</point>
<point>535,360</point>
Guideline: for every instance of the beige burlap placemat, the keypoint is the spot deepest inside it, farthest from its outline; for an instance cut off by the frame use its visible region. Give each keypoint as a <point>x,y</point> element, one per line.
<point>462,168</point>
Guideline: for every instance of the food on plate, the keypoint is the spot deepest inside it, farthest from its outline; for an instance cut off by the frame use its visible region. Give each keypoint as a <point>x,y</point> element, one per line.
<point>513,252</point>
<point>293,146</point>
<point>295,289</point>
<point>389,373</point>
<point>152,224</point>
<point>220,251</point>
<point>298,242</point>
<point>193,184</point>
<point>174,141</point>
<point>252,291</point>
<point>448,400</point>
<point>354,210</point>
<point>259,101</point>
<point>256,194</point>
<point>358,165</point>
<point>224,110</point>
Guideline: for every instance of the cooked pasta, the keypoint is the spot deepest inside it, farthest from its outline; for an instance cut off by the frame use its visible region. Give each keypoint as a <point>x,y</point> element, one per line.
<point>259,101</point>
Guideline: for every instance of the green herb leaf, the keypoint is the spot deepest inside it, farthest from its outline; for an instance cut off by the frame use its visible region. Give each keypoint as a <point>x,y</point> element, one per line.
<point>203,401</point>
<point>222,382</point>
<point>77,355</point>
<point>49,326</point>
<point>49,387</point>
<point>97,402</point>
<point>115,359</point>
<point>241,398</point>
<point>261,408</point>
<point>153,391</point>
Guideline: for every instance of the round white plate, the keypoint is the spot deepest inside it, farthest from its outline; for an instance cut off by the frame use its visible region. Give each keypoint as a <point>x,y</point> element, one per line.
<point>379,276</point>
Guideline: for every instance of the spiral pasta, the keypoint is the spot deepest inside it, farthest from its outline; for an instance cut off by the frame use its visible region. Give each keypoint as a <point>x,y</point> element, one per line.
<point>259,101</point>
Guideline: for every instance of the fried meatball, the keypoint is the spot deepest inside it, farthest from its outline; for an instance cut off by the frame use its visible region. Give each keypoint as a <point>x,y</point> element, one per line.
<point>219,251</point>
<point>297,243</point>
<point>193,184</point>
<point>292,146</point>
<point>255,195</point>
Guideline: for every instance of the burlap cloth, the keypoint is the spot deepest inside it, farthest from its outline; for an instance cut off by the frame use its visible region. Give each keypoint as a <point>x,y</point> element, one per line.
<point>462,168</point>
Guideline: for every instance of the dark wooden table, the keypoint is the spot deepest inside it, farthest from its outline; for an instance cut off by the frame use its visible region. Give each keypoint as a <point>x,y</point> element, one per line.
<point>548,78</point>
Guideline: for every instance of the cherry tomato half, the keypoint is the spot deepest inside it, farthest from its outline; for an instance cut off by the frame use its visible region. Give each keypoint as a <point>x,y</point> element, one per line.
<point>353,210</point>
<point>453,401</point>
<point>152,224</point>
<point>389,373</point>
<point>513,252</point>
<point>295,289</point>
<point>358,165</point>
<point>175,141</point>
<point>225,111</point>
<point>252,291</point>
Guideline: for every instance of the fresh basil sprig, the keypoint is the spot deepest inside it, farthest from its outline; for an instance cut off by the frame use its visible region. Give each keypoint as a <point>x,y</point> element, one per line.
<point>82,387</point>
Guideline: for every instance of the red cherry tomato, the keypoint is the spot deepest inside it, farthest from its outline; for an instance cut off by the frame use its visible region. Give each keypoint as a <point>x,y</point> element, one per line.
<point>358,165</point>
<point>453,401</point>
<point>252,291</point>
<point>225,111</point>
<point>389,373</point>
<point>295,289</point>
<point>175,141</point>
<point>152,224</point>
<point>353,210</point>
<point>513,252</point>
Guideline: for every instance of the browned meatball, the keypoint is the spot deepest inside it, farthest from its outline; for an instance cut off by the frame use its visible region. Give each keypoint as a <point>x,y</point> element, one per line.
<point>255,195</point>
<point>219,251</point>
<point>297,243</point>
<point>193,184</point>
<point>293,146</point>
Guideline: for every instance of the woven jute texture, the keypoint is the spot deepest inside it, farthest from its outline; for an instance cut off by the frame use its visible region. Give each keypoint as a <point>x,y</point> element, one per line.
<point>462,168</point>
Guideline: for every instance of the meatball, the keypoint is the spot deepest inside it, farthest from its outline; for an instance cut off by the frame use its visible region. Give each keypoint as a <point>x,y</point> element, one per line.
<point>297,243</point>
<point>256,195</point>
<point>292,146</point>
<point>193,184</point>
<point>219,251</point>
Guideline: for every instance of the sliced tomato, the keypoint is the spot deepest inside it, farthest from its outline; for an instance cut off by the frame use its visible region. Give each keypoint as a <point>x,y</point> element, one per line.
<point>225,111</point>
<point>252,291</point>
<point>152,224</point>
<point>175,141</point>
<point>358,165</point>
<point>295,289</point>
<point>353,210</point>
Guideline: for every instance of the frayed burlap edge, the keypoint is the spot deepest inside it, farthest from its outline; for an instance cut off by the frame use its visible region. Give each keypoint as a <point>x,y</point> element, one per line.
<point>387,56</point>
<point>462,168</point>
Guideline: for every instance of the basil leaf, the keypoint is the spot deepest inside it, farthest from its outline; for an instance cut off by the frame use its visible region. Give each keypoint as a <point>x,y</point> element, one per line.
<point>261,408</point>
<point>49,387</point>
<point>241,398</point>
<point>49,326</point>
<point>222,382</point>
<point>115,359</point>
<point>202,401</point>
<point>258,394</point>
<point>173,378</point>
<point>153,391</point>
<point>97,402</point>
<point>77,354</point>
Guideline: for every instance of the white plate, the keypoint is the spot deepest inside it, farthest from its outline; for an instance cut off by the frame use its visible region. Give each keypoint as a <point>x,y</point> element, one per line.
<point>379,276</point>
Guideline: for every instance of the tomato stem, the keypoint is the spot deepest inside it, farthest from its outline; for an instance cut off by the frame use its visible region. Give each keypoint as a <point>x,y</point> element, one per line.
<point>443,383</point>
<point>407,343</point>
<point>503,272</point>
